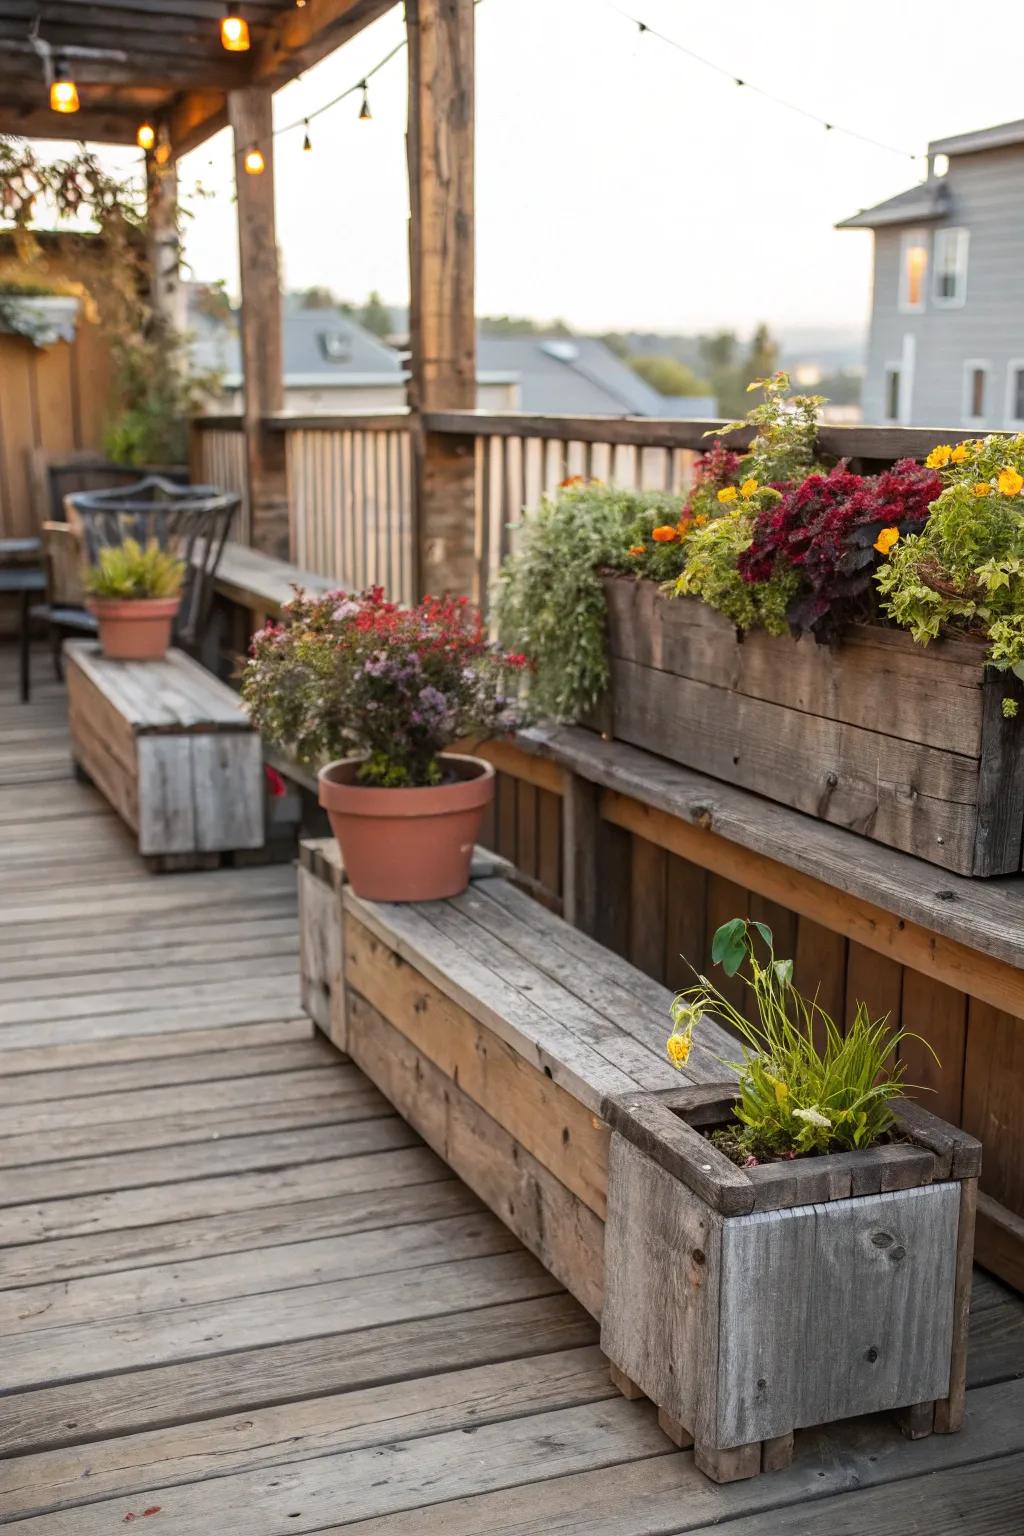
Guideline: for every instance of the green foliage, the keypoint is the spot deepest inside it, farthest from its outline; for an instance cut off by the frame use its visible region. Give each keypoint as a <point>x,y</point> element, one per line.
<point>728,366</point>
<point>548,597</point>
<point>668,376</point>
<point>712,572</point>
<point>375,316</point>
<point>965,570</point>
<point>130,570</point>
<point>796,1098</point>
<point>786,428</point>
<point>515,325</point>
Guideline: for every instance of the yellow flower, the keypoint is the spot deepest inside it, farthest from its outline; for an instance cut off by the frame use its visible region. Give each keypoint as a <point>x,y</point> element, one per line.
<point>727,493</point>
<point>781,1091</point>
<point>700,519</point>
<point>1010,482</point>
<point>678,1048</point>
<point>886,539</point>
<point>983,488</point>
<point>939,457</point>
<point>748,488</point>
<point>959,454</point>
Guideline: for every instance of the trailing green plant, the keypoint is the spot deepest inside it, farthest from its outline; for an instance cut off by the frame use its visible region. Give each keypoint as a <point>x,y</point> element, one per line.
<point>153,388</point>
<point>131,570</point>
<point>964,571</point>
<point>796,1098</point>
<point>785,433</point>
<point>548,598</point>
<point>712,570</point>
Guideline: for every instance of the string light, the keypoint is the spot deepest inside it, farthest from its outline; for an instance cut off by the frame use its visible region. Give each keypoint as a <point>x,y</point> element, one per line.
<point>364,110</point>
<point>234,30</point>
<point>307,142</point>
<point>254,162</point>
<point>780,101</point>
<point>63,91</point>
<point>145,138</point>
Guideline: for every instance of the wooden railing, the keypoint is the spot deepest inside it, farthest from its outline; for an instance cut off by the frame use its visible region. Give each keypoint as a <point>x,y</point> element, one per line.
<point>350,476</point>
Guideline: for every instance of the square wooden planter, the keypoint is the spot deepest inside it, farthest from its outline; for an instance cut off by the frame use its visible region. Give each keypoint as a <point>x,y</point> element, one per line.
<point>749,1303</point>
<point>904,744</point>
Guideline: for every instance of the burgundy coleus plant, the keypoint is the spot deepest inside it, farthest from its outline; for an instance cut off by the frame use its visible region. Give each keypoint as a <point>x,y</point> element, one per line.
<point>826,528</point>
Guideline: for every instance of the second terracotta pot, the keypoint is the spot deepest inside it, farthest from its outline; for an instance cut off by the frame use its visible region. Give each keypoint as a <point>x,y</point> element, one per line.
<point>407,844</point>
<point>135,629</point>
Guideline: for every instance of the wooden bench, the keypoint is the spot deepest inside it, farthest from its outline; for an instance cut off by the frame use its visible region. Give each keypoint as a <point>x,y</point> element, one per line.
<point>172,750</point>
<point>532,1060</point>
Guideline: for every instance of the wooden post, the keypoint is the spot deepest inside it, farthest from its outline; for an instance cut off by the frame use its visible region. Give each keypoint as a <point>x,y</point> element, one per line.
<point>249,111</point>
<point>442,325</point>
<point>164,244</point>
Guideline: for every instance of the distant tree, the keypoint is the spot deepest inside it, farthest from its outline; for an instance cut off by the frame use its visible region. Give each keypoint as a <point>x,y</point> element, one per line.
<point>841,388</point>
<point>763,357</point>
<point>211,299</point>
<point>616,342</point>
<point>318,298</point>
<point>717,352</point>
<point>514,325</point>
<point>668,376</point>
<point>375,316</point>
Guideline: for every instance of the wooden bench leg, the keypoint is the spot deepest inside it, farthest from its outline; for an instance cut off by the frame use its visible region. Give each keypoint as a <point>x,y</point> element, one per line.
<point>777,1453</point>
<point>623,1383</point>
<point>675,1431</point>
<point>917,1421</point>
<point>729,1466</point>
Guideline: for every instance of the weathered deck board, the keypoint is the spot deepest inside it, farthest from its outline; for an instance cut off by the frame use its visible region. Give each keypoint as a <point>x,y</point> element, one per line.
<point>237,1289</point>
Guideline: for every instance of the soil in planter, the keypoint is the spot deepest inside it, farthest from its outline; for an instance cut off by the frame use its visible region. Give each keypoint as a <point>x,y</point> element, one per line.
<point>727,1140</point>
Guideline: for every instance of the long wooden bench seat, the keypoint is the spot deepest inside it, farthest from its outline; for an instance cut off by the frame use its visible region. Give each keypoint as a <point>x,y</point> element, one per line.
<point>171,749</point>
<point>532,1059</point>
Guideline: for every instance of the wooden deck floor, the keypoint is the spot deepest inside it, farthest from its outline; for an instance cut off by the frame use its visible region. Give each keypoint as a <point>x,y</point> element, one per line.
<point>238,1296</point>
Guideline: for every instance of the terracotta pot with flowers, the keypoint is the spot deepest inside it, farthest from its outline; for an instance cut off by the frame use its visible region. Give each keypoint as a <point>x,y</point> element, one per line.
<point>377,692</point>
<point>135,592</point>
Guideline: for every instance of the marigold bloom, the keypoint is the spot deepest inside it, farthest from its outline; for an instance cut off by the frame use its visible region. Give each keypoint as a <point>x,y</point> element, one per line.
<point>983,488</point>
<point>678,1048</point>
<point>1010,482</point>
<point>748,488</point>
<point>959,454</point>
<point>939,457</point>
<point>636,549</point>
<point>665,534</point>
<point>727,493</point>
<point>701,519</point>
<point>570,480</point>
<point>886,539</point>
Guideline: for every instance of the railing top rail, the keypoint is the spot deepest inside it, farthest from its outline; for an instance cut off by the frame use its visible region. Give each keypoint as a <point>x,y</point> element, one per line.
<point>396,420</point>
<point>859,442</point>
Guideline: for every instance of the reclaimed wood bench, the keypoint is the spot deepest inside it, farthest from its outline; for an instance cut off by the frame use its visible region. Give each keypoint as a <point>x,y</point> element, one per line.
<point>171,749</point>
<point>532,1059</point>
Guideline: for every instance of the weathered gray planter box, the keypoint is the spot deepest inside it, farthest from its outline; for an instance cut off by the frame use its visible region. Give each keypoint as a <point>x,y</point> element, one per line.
<point>749,1303</point>
<point>904,744</point>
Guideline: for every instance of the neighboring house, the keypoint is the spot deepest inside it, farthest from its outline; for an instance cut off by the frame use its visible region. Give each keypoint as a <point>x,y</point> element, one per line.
<point>331,363</point>
<point>946,346</point>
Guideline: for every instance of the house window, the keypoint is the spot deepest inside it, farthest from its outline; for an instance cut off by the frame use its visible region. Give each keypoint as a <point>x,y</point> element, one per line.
<point>950,283</point>
<point>975,402</point>
<point>913,269</point>
<point>1015,393</point>
<point>892,393</point>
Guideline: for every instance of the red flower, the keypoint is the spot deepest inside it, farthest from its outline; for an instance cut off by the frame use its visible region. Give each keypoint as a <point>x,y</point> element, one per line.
<point>275,784</point>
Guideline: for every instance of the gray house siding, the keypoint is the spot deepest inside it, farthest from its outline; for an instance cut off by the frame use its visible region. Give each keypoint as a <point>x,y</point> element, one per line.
<point>986,197</point>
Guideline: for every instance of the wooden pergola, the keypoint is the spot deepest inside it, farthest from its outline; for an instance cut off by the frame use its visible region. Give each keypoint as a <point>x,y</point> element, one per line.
<point>162,61</point>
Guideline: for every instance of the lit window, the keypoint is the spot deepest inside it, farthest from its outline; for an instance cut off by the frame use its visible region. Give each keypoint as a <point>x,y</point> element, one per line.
<point>950,267</point>
<point>892,394</point>
<point>913,269</point>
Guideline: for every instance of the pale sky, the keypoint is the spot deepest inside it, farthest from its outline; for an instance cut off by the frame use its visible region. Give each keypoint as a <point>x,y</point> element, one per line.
<point>621,184</point>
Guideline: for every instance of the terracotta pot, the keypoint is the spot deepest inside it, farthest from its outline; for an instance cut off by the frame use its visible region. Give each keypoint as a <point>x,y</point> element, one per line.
<point>135,629</point>
<point>407,844</point>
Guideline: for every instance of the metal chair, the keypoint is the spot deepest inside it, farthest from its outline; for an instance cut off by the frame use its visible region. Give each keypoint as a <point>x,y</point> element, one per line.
<point>193,521</point>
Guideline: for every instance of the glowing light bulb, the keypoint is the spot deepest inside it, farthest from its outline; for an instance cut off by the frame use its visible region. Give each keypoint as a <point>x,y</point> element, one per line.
<point>234,31</point>
<point>364,111</point>
<point>63,94</point>
<point>254,162</point>
<point>146,136</point>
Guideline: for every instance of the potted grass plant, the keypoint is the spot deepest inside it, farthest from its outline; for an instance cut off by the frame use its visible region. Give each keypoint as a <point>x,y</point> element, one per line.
<point>813,1228</point>
<point>135,591</point>
<point>373,694</point>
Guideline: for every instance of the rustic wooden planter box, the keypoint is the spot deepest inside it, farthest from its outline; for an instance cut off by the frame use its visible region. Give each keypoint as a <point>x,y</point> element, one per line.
<point>749,1303</point>
<point>904,744</point>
